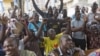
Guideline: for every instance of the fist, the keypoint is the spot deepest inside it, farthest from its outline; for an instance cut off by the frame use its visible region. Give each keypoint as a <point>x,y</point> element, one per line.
<point>4,19</point>
<point>45,20</point>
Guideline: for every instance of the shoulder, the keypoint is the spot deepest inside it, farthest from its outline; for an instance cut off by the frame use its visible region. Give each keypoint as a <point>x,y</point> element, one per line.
<point>27,53</point>
<point>46,38</point>
<point>72,21</point>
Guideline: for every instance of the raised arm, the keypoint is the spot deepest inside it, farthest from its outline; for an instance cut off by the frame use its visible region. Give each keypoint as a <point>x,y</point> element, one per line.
<point>37,9</point>
<point>41,27</point>
<point>61,6</point>
<point>28,35</point>
<point>46,6</point>
<point>4,24</point>
<point>14,12</point>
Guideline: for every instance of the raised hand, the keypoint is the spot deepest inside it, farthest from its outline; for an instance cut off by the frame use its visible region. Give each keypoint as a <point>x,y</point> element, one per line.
<point>85,18</point>
<point>44,20</point>
<point>82,53</point>
<point>4,19</point>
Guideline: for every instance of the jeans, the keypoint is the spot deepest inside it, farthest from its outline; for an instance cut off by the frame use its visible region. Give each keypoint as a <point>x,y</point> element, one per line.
<point>80,43</point>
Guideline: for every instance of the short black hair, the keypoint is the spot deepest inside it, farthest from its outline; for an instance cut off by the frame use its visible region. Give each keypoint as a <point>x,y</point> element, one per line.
<point>13,39</point>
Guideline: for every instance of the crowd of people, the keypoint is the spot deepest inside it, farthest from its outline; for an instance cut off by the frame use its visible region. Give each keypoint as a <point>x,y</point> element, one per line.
<point>21,35</point>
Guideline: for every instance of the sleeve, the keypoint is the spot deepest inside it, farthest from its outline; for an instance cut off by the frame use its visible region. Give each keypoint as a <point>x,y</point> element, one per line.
<point>61,6</point>
<point>44,28</point>
<point>30,26</point>
<point>72,23</point>
<point>45,39</point>
<point>59,35</point>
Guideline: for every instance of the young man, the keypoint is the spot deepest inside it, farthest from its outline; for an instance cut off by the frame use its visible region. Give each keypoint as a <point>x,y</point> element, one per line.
<point>35,24</point>
<point>10,47</point>
<point>77,27</point>
<point>65,47</point>
<point>52,41</point>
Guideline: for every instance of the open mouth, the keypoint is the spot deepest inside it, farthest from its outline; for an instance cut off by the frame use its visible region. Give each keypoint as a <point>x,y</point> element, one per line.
<point>8,53</point>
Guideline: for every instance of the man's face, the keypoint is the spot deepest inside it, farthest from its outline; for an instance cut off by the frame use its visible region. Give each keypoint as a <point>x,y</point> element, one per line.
<point>36,18</point>
<point>67,42</point>
<point>56,13</point>
<point>83,9</point>
<point>51,34</point>
<point>94,8</point>
<point>78,15</point>
<point>50,11</point>
<point>10,48</point>
<point>77,8</point>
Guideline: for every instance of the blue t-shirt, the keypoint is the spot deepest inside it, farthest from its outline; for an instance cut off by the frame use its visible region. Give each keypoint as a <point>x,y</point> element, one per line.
<point>32,27</point>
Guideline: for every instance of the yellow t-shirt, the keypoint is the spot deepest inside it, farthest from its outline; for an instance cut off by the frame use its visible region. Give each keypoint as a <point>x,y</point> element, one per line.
<point>51,44</point>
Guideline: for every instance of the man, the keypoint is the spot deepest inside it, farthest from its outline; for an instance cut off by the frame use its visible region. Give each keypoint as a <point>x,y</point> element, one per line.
<point>93,13</point>
<point>65,47</point>
<point>77,27</point>
<point>51,41</point>
<point>10,47</point>
<point>34,23</point>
